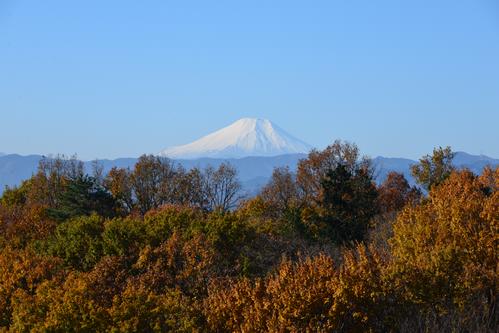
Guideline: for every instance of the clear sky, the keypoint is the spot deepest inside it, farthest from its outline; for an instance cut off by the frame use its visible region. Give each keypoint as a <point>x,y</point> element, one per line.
<point>108,79</point>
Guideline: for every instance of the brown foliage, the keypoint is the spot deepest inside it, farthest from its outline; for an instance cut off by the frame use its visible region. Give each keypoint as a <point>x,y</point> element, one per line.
<point>445,250</point>
<point>118,182</point>
<point>152,181</point>
<point>221,187</point>
<point>22,271</point>
<point>313,169</point>
<point>182,268</point>
<point>20,225</point>
<point>308,296</point>
<point>296,298</point>
<point>176,263</point>
<point>282,191</point>
<point>140,310</point>
<point>52,176</point>
<point>395,192</point>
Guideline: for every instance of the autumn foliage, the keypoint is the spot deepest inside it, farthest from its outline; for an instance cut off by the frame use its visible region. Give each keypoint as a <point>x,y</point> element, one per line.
<point>159,248</point>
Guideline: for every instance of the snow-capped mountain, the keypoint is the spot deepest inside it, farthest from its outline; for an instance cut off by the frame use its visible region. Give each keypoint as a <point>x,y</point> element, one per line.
<point>246,137</point>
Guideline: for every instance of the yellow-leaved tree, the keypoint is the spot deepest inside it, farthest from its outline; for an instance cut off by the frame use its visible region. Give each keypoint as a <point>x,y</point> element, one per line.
<point>445,250</point>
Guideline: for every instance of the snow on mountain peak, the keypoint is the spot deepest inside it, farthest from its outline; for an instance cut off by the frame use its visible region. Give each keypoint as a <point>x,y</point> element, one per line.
<point>245,137</point>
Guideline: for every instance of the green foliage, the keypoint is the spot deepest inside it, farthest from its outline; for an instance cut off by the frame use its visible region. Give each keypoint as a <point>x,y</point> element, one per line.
<point>349,203</point>
<point>82,197</point>
<point>267,218</point>
<point>123,237</point>
<point>230,236</point>
<point>433,169</point>
<point>78,242</point>
<point>16,196</point>
<point>161,223</point>
<point>235,242</point>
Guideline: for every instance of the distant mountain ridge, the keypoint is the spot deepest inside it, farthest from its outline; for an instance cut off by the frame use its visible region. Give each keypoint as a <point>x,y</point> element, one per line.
<point>253,171</point>
<point>255,147</point>
<point>244,138</point>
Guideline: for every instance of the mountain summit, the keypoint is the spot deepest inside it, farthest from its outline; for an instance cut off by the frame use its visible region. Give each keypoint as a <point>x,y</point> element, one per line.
<point>245,137</point>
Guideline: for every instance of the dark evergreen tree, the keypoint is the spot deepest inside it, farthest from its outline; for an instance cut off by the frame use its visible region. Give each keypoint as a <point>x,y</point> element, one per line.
<point>83,196</point>
<point>348,203</point>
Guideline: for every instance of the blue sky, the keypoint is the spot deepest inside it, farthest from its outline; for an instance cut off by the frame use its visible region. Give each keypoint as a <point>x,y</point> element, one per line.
<point>121,78</point>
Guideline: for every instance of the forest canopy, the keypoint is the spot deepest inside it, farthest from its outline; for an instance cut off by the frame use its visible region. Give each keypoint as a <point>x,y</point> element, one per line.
<point>159,248</point>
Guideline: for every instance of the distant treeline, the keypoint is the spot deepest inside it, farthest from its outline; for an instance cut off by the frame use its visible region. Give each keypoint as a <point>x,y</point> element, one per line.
<point>159,248</point>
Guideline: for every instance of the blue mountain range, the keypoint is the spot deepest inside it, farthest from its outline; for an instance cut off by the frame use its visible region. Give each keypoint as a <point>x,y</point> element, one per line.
<point>253,172</point>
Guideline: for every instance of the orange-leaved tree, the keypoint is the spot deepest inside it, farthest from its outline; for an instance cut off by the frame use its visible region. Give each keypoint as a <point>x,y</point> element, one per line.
<point>445,250</point>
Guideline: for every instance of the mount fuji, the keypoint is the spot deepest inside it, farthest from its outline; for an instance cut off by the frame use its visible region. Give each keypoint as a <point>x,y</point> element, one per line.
<point>246,137</point>
<point>255,147</point>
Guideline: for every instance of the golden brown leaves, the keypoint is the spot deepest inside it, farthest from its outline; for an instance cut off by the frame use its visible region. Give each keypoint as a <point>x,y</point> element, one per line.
<point>308,296</point>
<point>446,249</point>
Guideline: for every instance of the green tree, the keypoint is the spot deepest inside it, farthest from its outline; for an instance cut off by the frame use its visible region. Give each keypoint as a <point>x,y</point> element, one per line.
<point>124,237</point>
<point>349,202</point>
<point>433,169</point>
<point>78,242</point>
<point>82,197</point>
<point>15,196</point>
